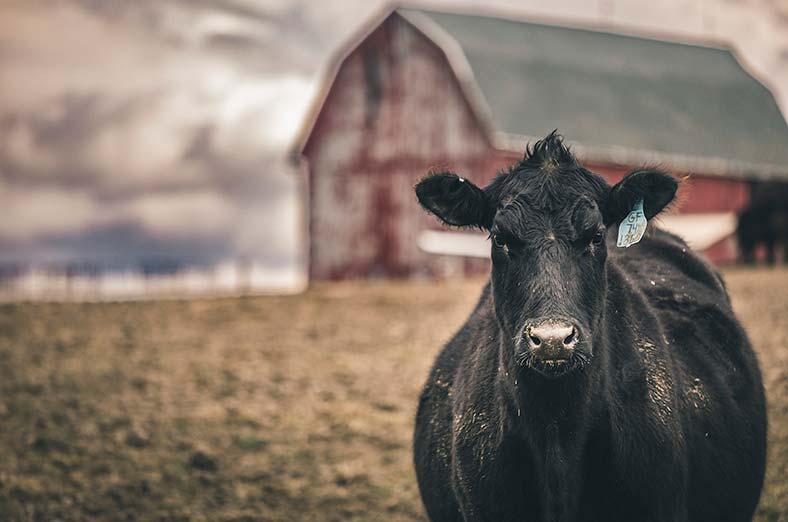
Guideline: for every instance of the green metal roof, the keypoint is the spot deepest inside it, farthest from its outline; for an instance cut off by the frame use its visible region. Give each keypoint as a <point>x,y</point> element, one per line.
<point>614,92</point>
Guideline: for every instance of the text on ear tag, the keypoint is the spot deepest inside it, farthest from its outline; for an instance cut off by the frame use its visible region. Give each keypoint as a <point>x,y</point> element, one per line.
<point>631,230</point>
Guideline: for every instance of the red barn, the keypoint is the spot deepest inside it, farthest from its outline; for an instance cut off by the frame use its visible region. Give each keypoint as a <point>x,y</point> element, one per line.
<point>423,89</point>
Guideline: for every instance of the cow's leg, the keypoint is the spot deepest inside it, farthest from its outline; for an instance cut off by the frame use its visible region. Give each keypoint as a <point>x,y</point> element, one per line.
<point>474,492</point>
<point>492,489</point>
<point>785,250</point>
<point>747,250</point>
<point>651,467</point>
<point>470,496</point>
<point>770,250</point>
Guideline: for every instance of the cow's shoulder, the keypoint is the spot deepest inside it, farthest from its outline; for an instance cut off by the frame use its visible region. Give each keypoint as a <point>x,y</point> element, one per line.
<point>666,269</point>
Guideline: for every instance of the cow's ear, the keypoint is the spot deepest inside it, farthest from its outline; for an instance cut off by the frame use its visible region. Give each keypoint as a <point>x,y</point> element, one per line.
<point>455,200</point>
<point>654,187</point>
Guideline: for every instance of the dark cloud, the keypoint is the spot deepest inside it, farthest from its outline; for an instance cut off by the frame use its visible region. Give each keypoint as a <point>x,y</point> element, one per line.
<point>117,246</point>
<point>170,158</point>
<point>100,144</point>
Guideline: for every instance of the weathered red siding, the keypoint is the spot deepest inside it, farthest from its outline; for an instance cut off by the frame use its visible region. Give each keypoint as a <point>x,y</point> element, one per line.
<point>714,194</point>
<point>395,110</point>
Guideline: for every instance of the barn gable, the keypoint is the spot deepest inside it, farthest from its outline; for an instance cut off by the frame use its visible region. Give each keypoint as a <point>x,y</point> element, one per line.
<point>394,109</point>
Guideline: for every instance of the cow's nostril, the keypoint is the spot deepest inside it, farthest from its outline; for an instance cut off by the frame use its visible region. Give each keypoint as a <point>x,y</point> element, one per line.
<point>535,340</point>
<point>570,338</point>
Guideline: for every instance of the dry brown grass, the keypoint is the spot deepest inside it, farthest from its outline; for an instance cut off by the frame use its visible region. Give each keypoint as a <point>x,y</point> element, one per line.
<point>293,408</point>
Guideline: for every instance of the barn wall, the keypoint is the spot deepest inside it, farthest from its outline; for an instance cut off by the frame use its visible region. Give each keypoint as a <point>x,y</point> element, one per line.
<point>394,111</point>
<point>714,194</point>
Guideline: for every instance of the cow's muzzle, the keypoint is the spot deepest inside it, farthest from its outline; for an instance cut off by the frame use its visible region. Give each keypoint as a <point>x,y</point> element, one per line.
<point>551,341</point>
<point>552,347</point>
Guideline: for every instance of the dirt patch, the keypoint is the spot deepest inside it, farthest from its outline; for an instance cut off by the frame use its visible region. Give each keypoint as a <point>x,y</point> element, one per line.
<point>297,408</point>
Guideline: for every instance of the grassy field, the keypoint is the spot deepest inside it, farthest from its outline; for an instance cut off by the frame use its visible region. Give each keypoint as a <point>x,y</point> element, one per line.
<point>289,408</point>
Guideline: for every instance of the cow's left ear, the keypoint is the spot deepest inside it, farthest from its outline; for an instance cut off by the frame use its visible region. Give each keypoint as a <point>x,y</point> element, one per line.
<point>655,187</point>
<point>455,200</point>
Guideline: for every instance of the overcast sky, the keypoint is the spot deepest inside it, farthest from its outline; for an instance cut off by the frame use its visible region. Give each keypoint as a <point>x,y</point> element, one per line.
<point>157,128</point>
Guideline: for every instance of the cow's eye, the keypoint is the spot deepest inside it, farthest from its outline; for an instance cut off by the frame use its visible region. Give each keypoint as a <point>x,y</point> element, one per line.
<point>500,242</point>
<point>599,237</point>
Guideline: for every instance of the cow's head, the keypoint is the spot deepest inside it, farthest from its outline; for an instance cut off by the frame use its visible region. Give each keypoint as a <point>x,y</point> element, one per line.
<point>548,219</point>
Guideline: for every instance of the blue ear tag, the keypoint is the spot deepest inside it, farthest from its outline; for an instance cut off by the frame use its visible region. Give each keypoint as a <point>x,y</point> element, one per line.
<point>631,230</point>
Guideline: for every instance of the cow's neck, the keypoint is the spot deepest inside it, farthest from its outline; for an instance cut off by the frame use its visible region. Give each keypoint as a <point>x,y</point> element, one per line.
<point>552,418</point>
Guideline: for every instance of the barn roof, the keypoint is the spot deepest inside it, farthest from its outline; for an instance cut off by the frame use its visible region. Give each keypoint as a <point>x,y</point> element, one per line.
<point>617,98</point>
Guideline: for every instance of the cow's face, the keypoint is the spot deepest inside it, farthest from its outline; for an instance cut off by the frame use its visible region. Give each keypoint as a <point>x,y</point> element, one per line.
<point>548,219</point>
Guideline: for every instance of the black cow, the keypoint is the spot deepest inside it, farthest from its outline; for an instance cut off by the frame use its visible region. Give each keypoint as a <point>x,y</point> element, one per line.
<point>590,382</point>
<point>764,222</point>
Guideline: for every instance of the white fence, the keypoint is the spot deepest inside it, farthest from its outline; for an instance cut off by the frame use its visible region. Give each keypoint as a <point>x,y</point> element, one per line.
<point>226,279</point>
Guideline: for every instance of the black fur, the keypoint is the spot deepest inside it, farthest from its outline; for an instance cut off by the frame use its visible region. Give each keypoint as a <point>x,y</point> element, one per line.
<point>658,415</point>
<point>454,200</point>
<point>764,222</point>
<point>656,188</point>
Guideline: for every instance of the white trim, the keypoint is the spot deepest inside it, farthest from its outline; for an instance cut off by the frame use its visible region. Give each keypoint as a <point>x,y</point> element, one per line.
<point>453,243</point>
<point>702,230</point>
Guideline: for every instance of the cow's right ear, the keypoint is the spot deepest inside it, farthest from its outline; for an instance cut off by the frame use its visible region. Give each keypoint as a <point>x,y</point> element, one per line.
<point>455,200</point>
